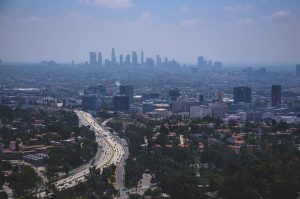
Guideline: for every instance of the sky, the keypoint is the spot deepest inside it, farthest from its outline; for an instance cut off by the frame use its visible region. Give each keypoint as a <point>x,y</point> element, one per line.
<point>231,31</point>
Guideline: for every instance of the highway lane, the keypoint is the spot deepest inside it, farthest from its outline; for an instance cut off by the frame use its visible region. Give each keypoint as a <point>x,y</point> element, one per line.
<point>111,152</point>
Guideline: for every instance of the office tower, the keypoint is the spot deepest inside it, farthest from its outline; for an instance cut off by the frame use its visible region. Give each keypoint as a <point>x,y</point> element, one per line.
<point>298,70</point>
<point>158,60</point>
<point>200,111</point>
<point>219,109</point>
<point>150,62</point>
<point>209,63</point>
<point>242,94</point>
<point>255,116</point>
<point>276,95</point>
<point>166,60</point>
<point>89,102</point>
<point>127,90</point>
<point>262,71</point>
<point>174,93</point>
<point>107,62</point>
<point>113,57</point>
<point>142,57</point>
<point>121,60</point>
<point>201,98</point>
<point>154,95</point>
<point>98,90</point>
<point>100,58</point>
<point>121,103</point>
<point>134,58</point>
<point>127,60</point>
<point>218,64</point>
<point>93,58</point>
<point>148,107</point>
<point>200,62</point>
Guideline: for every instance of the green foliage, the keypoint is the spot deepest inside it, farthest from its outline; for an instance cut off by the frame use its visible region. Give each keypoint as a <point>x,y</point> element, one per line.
<point>26,179</point>
<point>96,186</point>
<point>135,196</point>
<point>66,157</point>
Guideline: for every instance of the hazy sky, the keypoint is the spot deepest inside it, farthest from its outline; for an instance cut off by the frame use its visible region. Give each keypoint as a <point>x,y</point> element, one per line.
<point>232,31</point>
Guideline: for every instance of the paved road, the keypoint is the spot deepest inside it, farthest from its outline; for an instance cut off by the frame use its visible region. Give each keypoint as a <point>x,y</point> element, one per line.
<point>120,173</point>
<point>110,151</point>
<point>120,170</point>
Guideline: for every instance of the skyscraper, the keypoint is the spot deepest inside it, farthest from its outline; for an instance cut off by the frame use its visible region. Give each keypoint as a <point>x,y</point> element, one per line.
<point>150,62</point>
<point>100,58</point>
<point>121,103</point>
<point>127,60</point>
<point>218,64</point>
<point>166,60</point>
<point>174,93</point>
<point>142,57</point>
<point>242,94</point>
<point>134,58</point>
<point>298,70</point>
<point>276,95</point>
<point>200,62</point>
<point>121,60</point>
<point>127,90</point>
<point>93,58</point>
<point>158,60</point>
<point>89,102</point>
<point>113,57</point>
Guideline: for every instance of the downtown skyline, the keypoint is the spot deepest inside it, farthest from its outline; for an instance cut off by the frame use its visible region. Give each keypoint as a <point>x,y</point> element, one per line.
<point>233,31</point>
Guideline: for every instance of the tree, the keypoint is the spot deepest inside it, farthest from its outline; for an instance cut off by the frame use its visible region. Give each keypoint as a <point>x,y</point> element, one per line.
<point>26,179</point>
<point>135,196</point>
<point>2,179</point>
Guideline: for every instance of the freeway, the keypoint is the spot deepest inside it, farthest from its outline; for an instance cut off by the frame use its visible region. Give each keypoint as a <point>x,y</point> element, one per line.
<point>110,151</point>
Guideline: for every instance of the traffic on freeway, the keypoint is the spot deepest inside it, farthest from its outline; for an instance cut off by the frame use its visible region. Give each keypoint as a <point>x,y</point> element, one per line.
<point>110,151</point>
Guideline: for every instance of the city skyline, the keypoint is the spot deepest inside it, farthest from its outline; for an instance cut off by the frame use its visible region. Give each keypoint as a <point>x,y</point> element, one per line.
<point>133,58</point>
<point>245,32</point>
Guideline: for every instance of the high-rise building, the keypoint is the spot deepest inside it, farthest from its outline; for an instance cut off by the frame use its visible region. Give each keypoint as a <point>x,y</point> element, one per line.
<point>209,63</point>
<point>89,102</point>
<point>218,64</point>
<point>142,57</point>
<point>121,103</point>
<point>200,62</point>
<point>276,95</point>
<point>148,107</point>
<point>166,60</point>
<point>242,94</point>
<point>219,109</point>
<point>121,60</point>
<point>113,57</point>
<point>127,90</point>
<point>298,70</point>
<point>262,71</point>
<point>134,58</point>
<point>150,62</point>
<point>127,60</point>
<point>93,58</point>
<point>158,60</point>
<point>100,58</point>
<point>174,93</point>
<point>201,98</point>
<point>255,116</point>
<point>107,62</point>
<point>200,111</point>
<point>98,90</point>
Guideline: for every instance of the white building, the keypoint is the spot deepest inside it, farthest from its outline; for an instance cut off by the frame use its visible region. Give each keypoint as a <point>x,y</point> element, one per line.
<point>219,109</point>
<point>200,111</point>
